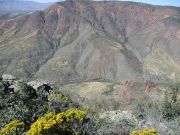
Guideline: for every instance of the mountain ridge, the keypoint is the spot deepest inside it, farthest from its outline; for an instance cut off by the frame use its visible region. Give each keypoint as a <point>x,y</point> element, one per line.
<point>76,41</point>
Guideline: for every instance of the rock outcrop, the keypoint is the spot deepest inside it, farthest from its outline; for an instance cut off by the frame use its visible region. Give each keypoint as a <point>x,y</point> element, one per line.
<point>10,83</point>
<point>8,77</point>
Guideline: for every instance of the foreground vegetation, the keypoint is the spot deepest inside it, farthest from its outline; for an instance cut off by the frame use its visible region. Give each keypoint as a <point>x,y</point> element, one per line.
<point>37,111</point>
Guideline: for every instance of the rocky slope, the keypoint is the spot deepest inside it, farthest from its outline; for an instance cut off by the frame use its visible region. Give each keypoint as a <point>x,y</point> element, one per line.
<point>78,40</point>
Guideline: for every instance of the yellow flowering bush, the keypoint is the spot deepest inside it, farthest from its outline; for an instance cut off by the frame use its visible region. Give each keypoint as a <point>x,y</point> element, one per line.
<point>145,132</point>
<point>75,114</point>
<point>13,128</point>
<point>61,123</point>
<point>56,96</point>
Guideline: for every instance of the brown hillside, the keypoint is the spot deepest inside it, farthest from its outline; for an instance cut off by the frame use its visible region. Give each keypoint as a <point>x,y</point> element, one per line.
<point>80,40</point>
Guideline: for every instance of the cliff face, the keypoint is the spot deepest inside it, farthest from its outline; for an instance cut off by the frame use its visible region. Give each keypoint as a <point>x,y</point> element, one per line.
<point>81,40</point>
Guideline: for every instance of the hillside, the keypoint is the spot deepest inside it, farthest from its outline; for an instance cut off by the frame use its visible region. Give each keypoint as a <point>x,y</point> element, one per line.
<point>78,40</point>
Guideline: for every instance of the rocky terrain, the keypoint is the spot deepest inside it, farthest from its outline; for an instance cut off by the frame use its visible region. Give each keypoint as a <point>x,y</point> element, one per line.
<point>79,40</point>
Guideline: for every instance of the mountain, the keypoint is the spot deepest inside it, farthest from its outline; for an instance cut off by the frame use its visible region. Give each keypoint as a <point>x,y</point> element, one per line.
<point>80,40</point>
<point>11,6</point>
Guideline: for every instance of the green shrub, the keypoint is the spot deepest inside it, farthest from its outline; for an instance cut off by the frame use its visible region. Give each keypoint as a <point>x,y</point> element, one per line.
<point>24,105</point>
<point>170,106</point>
<point>57,96</point>
<point>2,88</point>
<point>58,102</point>
<point>117,122</point>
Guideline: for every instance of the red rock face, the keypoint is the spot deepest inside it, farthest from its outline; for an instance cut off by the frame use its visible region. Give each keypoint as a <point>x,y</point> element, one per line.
<point>133,16</point>
<point>82,40</point>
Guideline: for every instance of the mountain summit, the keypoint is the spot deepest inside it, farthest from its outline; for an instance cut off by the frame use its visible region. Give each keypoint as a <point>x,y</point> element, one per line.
<point>80,40</point>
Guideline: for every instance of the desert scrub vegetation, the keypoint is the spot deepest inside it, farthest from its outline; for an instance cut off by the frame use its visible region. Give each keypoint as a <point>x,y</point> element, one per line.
<point>22,103</point>
<point>56,96</point>
<point>59,102</point>
<point>15,127</point>
<point>68,122</point>
<point>117,123</point>
<point>51,113</point>
<point>171,106</point>
<point>145,132</point>
<point>40,111</point>
<point>163,115</point>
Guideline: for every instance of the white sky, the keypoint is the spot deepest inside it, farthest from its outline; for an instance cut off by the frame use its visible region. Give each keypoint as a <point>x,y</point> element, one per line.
<point>154,2</point>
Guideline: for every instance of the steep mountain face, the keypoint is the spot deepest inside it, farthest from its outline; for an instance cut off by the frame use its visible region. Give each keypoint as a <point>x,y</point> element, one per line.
<point>78,40</point>
<point>11,6</point>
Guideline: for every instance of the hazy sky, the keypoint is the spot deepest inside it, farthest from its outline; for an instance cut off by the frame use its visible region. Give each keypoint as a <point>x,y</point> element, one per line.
<point>45,1</point>
<point>155,2</point>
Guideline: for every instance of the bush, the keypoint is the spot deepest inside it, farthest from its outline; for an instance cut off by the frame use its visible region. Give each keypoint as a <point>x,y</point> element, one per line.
<point>68,122</point>
<point>94,123</point>
<point>2,88</point>
<point>145,132</point>
<point>15,127</point>
<point>58,102</point>
<point>23,104</point>
<point>170,106</point>
<point>2,92</point>
<point>57,96</point>
<point>117,122</point>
